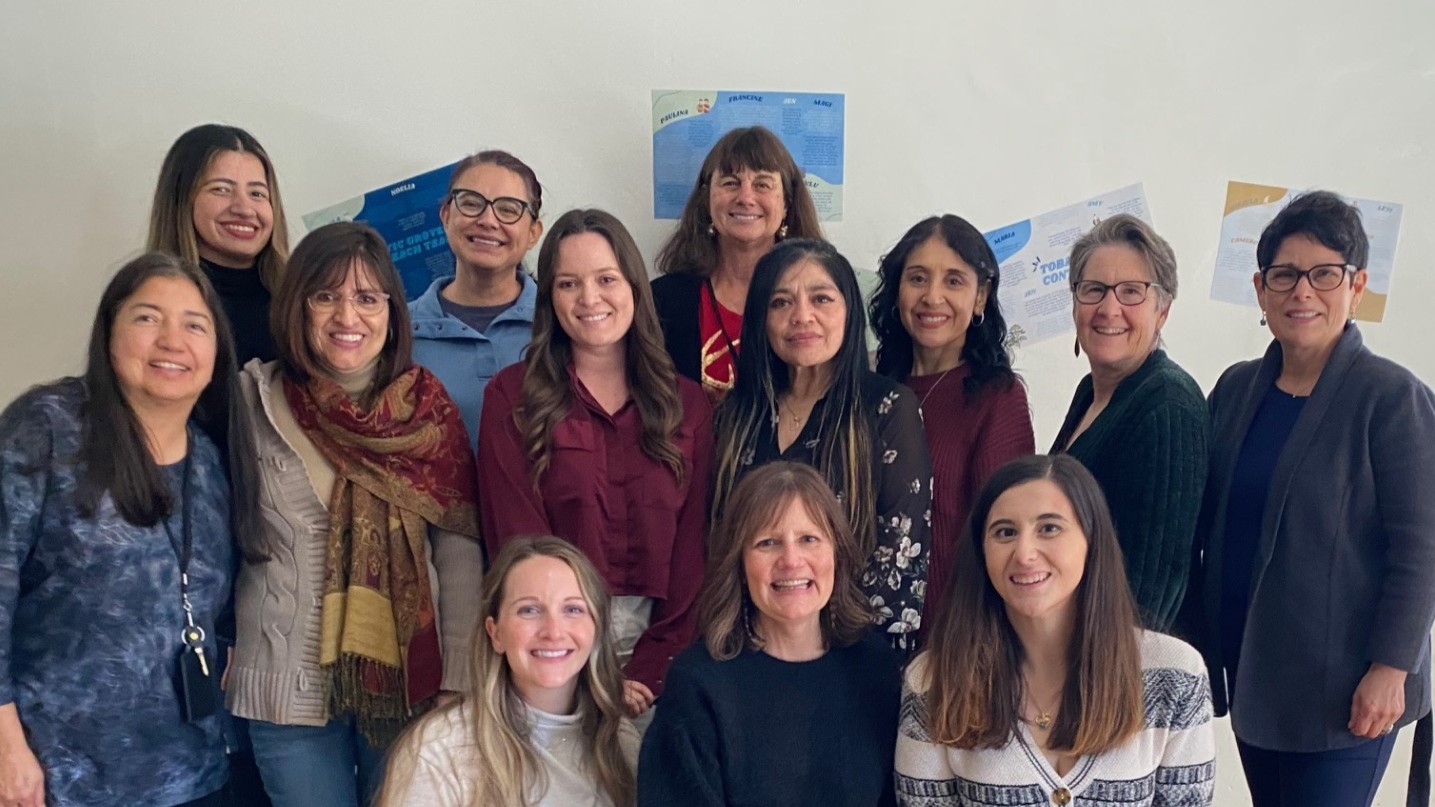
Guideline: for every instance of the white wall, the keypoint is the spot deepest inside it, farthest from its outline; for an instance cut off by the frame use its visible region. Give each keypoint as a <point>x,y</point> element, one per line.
<point>997,111</point>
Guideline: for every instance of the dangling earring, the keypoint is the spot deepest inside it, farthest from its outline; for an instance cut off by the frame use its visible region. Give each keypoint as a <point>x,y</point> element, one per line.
<point>712,231</point>
<point>1263,317</point>
<point>782,232</point>
<point>1350,321</point>
<point>978,320</point>
<point>1076,347</point>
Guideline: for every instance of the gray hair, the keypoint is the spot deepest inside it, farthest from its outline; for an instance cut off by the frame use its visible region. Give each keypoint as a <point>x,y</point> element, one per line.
<point>1127,230</point>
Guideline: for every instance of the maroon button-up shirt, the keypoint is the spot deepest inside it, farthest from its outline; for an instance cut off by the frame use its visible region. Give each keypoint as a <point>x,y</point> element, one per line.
<point>643,530</point>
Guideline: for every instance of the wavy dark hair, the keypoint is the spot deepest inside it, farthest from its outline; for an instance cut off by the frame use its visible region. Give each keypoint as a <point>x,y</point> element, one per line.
<point>115,452</point>
<point>547,392</point>
<point>691,248</point>
<point>844,457</point>
<point>973,658</point>
<point>171,218</point>
<point>724,604</point>
<point>985,349</point>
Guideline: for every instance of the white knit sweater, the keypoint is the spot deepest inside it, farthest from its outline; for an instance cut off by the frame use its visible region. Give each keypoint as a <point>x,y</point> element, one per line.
<point>446,769</point>
<point>1169,762</point>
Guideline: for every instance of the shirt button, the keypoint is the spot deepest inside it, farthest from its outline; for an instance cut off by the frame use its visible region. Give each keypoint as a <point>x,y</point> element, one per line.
<point>1061,797</point>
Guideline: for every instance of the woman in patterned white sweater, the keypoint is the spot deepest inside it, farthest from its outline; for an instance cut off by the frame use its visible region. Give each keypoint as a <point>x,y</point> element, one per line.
<point>1038,685</point>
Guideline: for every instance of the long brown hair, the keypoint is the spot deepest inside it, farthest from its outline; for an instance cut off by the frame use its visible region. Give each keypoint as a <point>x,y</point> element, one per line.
<point>547,392</point>
<point>692,248</point>
<point>171,216</point>
<point>321,261</point>
<point>973,659</point>
<point>493,714</point>
<point>724,605</point>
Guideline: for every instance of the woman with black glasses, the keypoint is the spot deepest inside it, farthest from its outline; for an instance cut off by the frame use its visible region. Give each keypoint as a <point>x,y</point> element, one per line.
<point>473,323</point>
<point>1318,530</point>
<point>1137,421</point>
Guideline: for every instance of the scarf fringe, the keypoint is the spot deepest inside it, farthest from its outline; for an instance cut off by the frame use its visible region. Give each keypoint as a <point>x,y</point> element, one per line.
<point>373,694</point>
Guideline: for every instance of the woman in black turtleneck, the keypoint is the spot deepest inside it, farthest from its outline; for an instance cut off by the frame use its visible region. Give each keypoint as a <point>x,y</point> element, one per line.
<point>217,203</point>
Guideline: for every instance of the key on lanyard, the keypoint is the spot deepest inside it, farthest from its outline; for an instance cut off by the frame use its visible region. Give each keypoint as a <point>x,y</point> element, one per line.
<point>193,637</point>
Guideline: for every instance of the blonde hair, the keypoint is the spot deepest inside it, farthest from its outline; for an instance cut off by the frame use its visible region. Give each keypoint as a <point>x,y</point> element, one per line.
<point>508,770</point>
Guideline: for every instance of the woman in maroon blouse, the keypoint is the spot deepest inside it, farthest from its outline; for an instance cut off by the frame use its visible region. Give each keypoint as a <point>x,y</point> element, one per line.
<point>596,439</point>
<point>940,331</point>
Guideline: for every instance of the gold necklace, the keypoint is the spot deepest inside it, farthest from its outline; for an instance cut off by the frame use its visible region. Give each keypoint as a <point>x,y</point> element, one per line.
<point>1044,717</point>
<point>795,419</point>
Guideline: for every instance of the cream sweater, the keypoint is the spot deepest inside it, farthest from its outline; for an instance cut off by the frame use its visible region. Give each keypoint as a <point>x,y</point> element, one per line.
<point>445,771</point>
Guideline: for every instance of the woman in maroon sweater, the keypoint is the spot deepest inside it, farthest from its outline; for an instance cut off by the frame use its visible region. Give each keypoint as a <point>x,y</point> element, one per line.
<point>596,439</point>
<point>940,331</point>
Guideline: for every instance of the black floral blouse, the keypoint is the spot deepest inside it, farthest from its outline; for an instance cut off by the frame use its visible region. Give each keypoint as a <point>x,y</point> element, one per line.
<point>895,579</point>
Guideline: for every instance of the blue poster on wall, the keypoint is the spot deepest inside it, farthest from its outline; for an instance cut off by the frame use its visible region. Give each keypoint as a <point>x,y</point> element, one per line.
<point>686,124</point>
<point>406,215</point>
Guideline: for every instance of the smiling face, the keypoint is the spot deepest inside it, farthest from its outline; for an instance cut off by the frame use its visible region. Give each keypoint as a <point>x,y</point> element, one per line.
<point>545,631</point>
<point>163,344</point>
<point>343,338</point>
<point>746,207</point>
<point>806,316</point>
<point>233,216</point>
<point>1117,338</point>
<point>484,244</point>
<point>789,567</point>
<point>592,299</point>
<point>1035,550</point>
<point>1305,319</point>
<point>938,295</point>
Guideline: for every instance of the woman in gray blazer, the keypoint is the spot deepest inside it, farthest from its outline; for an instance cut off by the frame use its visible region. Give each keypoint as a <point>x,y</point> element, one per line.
<point>1315,584</point>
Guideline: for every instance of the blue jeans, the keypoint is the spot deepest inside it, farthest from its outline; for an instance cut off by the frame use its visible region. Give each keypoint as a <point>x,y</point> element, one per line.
<point>316,766</point>
<point>1347,777</point>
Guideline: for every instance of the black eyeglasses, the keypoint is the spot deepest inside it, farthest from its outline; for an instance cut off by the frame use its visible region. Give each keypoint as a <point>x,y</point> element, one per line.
<point>1322,277</point>
<point>505,208</point>
<point>1128,292</point>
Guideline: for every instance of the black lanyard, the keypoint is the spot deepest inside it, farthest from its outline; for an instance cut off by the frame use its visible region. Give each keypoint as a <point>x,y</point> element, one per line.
<point>722,327</point>
<point>184,548</point>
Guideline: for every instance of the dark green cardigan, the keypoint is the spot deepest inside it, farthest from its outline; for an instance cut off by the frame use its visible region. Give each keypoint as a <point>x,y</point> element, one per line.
<point>1148,449</point>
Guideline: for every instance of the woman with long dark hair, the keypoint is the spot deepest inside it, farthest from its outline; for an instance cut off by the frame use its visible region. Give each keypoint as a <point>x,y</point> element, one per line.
<point>217,204</point>
<point>1038,685</point>
<point>118,511</point>
<point>360,601</point>
<point>594,438</point>
<point>940,331</point>
<point>804,394</point>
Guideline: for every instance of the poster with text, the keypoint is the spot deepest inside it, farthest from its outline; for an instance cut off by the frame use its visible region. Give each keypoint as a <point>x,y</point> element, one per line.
<point>686,124</point>
<point>1035,293</point>
<point>1250,207</point>
<point>406,215</point>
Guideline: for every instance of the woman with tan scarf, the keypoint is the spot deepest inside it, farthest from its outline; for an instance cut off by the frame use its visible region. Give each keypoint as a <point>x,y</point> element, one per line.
<point>360,592</point>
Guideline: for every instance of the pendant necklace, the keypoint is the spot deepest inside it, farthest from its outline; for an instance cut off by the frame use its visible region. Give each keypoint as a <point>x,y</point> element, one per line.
<point>940,379</point>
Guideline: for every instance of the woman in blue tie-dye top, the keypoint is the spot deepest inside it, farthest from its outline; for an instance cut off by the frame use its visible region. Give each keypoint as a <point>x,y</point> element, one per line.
<point>106,482</point>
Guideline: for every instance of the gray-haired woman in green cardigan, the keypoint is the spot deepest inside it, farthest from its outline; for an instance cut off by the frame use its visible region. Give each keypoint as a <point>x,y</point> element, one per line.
<point>1138,422</point>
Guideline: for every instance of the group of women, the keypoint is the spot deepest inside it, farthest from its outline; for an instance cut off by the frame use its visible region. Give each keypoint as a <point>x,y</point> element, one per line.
<point>728,561</point>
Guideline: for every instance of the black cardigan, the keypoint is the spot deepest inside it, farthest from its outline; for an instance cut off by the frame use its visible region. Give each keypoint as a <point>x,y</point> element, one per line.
<point>677,296</point>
